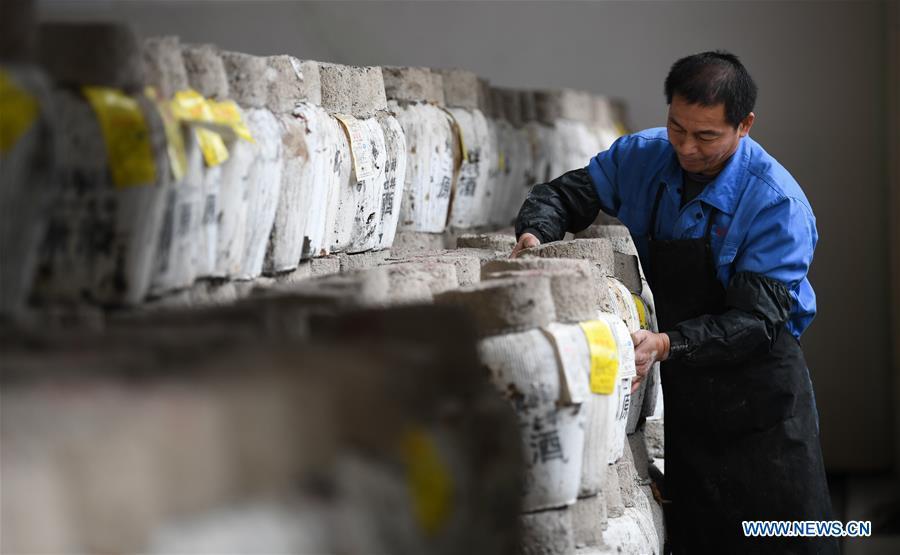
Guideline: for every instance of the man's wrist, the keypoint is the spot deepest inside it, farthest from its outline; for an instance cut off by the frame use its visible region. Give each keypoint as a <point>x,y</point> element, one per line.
<point>532,231</point>
<point>678,346</point>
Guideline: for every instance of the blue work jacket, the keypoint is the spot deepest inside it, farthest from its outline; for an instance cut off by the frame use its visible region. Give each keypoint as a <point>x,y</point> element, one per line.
<point>762,220</point>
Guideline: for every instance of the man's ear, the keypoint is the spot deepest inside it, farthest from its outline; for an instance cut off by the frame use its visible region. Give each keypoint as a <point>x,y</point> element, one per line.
<point>746,124</point>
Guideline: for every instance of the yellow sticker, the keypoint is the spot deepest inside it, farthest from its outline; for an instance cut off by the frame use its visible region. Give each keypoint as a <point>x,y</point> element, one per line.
<point>604,356</point>
<point>502,162</point>
<point>174,138</point>
<point>212,146</point>
<point>228,114</point>
<point>429,481</point>
<point>641,310</point>
<point>18,110</point>
<point>189,106</point>
<point>126,135</point>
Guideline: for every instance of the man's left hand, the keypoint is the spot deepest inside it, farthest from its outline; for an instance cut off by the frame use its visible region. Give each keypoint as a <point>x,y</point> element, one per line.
<point>649,347</point>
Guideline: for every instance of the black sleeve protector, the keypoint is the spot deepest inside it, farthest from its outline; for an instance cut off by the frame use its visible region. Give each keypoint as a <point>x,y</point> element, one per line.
<point>567,203</point>
<point>756,307</point>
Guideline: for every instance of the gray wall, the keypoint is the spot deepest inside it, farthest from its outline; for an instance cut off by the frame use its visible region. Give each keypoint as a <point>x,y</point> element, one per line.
<point>821,71</point>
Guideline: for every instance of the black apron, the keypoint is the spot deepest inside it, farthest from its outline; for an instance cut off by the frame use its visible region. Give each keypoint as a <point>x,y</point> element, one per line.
<point>741,441</point>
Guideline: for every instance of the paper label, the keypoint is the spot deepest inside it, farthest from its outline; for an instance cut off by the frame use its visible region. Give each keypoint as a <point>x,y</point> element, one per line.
<point>429,481</point>
<point>604,356</point>
<point>18,110</point>
<point>174,139</point>
<point>569,345</point>
<point>212,146</point>
<point>126,135</point>
<point>190,107</point>
<point>641,310</point>
<point>360,147</point>
<point>228,114</point>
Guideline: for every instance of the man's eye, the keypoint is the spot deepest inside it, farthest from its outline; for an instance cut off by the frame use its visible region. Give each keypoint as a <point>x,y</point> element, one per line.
<point>708,139</point>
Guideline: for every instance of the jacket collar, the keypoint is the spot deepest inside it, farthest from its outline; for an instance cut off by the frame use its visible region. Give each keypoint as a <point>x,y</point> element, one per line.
<point>726,189</point>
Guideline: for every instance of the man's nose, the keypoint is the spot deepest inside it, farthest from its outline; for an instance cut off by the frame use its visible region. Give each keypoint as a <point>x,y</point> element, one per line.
<point>687,147</point>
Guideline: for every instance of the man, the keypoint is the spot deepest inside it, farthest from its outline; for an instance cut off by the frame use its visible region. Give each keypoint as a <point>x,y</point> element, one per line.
<point>726,237</point>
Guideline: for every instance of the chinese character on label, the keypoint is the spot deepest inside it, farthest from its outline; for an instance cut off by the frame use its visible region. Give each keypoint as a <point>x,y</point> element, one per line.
<point>444,191</point>
<point>387,200</point>
<point>625,400</point>
<point>547,446</point>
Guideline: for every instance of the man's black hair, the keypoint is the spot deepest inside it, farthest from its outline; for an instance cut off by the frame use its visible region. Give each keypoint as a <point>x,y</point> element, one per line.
<point>711,78</point>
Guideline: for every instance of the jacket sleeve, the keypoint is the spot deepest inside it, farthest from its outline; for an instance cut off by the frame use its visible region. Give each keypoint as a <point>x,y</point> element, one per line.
<point>567,203</point>
<point>756,306</point>
<point>770,267</point>
<point>572,201</point>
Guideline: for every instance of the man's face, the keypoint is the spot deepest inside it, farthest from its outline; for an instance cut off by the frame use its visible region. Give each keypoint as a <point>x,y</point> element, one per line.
<point>701,137</point>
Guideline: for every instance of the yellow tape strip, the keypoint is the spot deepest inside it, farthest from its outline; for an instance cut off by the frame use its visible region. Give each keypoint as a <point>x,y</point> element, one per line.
<point>174,138</point>
<point>604,356</point>
<point>462,141</point>
<point>429,481</point>
<point>457,130</point>
<point>189,106</point>
<point>18,110</point>
<point>641,310</point>
<point>126,135</point>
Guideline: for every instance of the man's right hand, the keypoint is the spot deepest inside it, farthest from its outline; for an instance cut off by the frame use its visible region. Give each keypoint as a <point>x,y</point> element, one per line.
<point>526,241</point>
